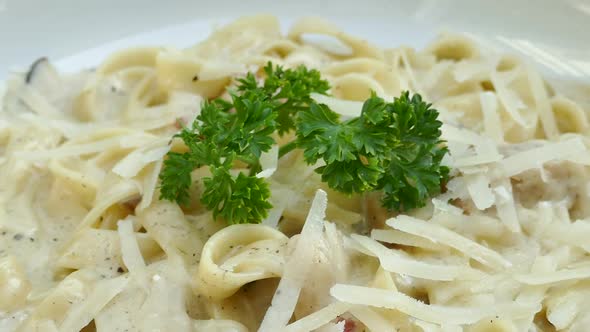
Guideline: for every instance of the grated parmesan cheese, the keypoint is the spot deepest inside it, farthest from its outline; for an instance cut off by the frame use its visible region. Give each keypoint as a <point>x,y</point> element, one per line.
<point>297,267</point>
<point>430,313</point>
<point>318,318</point>
<point>130,252</point>
<point>398,237</point>
<point>80,315</point>
<point>393,261</point>
<point>506,206</point>
<point>509,99</point>
<point>149,186</point>
<point>541,98</point>
<point>478,186</point>
<point>553,277</point>
<point>269,161</point>
<point>491,117</point>
<point>535,157</point>
<point>129,166</point>
<point>439,234</point>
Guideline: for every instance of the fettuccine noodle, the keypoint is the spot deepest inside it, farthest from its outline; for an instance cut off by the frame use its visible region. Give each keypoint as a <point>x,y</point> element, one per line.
<point>86,243</point>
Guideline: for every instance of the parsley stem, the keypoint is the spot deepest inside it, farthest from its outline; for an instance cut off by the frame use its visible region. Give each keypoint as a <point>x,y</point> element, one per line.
<point>254,169</point>
<point>253,164</point>
<point>248,160</point>
<point>283,150</point>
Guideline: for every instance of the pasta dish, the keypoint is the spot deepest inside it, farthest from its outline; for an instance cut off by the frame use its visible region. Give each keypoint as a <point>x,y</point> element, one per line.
<point>128,204</point>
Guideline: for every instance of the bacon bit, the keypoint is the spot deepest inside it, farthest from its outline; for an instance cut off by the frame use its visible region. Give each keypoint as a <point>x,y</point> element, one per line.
<point>132,203</point>
<point>443,186</point>
<point>349,324</point>
<point>457,202</point>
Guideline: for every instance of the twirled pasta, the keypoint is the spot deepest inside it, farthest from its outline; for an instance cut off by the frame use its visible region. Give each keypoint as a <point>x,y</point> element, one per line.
<point>237,255</point>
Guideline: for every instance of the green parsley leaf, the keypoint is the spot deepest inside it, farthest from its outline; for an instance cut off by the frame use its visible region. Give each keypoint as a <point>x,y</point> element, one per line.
<point>414,170</point>
<point>176,177</point>
<point>237,200</point>
<point>412,176</point>
<point>238,130</point>
<point>290,89</point>
<point>391,147</point>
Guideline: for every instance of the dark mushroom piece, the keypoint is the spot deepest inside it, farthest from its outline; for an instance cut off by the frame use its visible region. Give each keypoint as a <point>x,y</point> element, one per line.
<point>35,67</point>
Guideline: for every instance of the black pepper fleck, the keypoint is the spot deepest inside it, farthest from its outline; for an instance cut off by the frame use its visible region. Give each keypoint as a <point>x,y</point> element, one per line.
<point>120,270</point>
<point>195,78</point>
<point>17,237</point>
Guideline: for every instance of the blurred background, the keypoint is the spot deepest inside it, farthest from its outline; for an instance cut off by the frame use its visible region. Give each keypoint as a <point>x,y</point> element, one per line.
<point>554,33</point>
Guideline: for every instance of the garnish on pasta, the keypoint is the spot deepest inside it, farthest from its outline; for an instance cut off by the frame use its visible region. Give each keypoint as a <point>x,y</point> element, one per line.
<point>393,147</point>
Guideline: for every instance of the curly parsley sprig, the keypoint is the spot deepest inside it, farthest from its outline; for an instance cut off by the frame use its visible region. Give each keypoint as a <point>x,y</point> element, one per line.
<point>239,130</point>
<point>392,147</point>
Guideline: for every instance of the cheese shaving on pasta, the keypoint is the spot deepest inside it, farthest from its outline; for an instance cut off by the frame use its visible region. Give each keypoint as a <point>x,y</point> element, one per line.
<point>430,313</point>
<point>298,267</point>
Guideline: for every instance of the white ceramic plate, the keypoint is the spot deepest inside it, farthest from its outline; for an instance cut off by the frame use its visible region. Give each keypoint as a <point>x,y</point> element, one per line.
<point>552,33</point>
